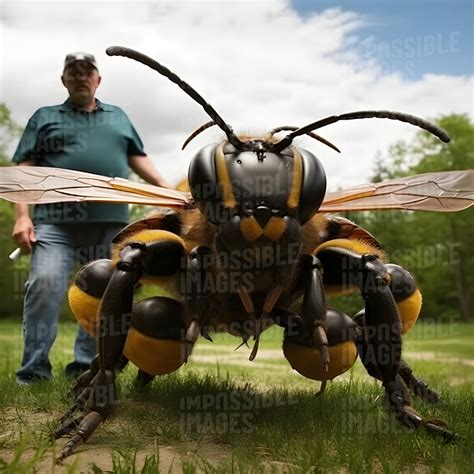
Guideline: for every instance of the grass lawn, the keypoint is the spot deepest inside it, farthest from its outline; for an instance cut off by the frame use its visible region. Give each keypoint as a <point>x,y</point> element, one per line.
<point>222,413</point>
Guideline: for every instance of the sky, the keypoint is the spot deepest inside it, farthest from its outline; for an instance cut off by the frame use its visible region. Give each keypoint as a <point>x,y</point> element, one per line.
<point>261,64</point>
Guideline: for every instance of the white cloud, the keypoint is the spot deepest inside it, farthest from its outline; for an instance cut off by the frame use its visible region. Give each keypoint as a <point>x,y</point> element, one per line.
<point>259,64</point>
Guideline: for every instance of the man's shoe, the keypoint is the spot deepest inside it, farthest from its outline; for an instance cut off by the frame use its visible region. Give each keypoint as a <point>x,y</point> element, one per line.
<point>74,369</point>
<point>30,379</point>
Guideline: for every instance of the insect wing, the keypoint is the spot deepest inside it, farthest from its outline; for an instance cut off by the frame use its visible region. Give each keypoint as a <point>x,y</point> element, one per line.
<point>41,185</point>
<point>446,191</point>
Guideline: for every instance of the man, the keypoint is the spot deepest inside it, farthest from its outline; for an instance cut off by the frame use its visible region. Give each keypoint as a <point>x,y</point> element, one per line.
<point>81,134</point>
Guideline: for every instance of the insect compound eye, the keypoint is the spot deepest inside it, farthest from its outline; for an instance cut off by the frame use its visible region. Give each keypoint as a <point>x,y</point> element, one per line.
<point>313,186</point>
<point>204,184</point>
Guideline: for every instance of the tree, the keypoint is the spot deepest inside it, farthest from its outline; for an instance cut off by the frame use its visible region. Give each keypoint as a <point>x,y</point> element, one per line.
<point>12,276</point>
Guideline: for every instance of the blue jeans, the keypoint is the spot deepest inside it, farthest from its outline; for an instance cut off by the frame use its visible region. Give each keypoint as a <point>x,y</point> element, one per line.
<point>58,249</point>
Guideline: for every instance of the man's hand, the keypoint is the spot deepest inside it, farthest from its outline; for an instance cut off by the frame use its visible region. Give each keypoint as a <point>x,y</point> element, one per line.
<point>23,231</point>
<point>24,234</point>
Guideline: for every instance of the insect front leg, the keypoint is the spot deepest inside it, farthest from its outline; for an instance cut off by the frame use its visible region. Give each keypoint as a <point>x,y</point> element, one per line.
<point>198,271</point>
<point>319,344</point>
<point>99,396</point>
<point>314,306</point>
<point>85,295</point>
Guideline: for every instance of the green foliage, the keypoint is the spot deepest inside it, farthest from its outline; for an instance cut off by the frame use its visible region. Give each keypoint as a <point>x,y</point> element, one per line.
<point>24,459</point>
<point>436,247</point>
<point>124,462</point>
<point>12,276</point>
<point>9,130</point>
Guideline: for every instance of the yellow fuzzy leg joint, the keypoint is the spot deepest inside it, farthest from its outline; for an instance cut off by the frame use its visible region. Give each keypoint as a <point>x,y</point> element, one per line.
<point>409,309</point>
<point>144,237</point>
<point>154,356</point>
<point>84,308</point>
<point>358,246</point>
<point>308,362</point>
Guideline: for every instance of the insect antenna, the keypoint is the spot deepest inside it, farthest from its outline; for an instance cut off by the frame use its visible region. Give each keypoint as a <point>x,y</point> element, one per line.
<point>197,132</point>
<point>311,134</point>
<point>164,71</point>
<point>272,132</point>
<point>400,116</point>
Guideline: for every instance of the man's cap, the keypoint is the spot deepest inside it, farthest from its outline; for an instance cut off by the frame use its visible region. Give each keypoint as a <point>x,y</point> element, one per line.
<point>73,57</point>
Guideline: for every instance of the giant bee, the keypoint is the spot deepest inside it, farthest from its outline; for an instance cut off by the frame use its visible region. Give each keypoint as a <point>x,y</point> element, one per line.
<point>245,242</point>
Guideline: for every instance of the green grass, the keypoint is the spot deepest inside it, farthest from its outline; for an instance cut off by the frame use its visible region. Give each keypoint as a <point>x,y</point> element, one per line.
<point>221,413</point>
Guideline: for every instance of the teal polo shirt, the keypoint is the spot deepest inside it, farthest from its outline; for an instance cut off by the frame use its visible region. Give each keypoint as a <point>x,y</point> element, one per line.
<point>98,142</point>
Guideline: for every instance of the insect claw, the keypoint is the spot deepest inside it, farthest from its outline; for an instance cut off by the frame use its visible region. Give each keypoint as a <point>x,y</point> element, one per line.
<point>187,351</point>
<point>254,350</point>
<point>325,356</point>
<point>321,341</point>
<point>80,403</point>
<point>68,413</point>
<point>88,425</point>
<point>193,332</point>
<point>205,334</point>
<point>191,337</point>
<point>82,381</point>
<point>322,388</point>
<point>256,337</point>
<point>439,427</point>
<point>244,341</point>
<point>66,428</point>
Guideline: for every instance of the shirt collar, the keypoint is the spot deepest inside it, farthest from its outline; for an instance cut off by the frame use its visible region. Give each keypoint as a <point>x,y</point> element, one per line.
<point>68,106</point>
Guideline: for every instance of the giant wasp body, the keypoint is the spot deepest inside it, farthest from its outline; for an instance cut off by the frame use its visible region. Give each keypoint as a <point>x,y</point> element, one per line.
<point>246,242</point>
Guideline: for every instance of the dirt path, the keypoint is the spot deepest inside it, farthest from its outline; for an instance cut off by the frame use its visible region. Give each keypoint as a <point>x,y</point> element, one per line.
<point>433,356</point>
<point>171,457</point>
<point>241,357</point>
